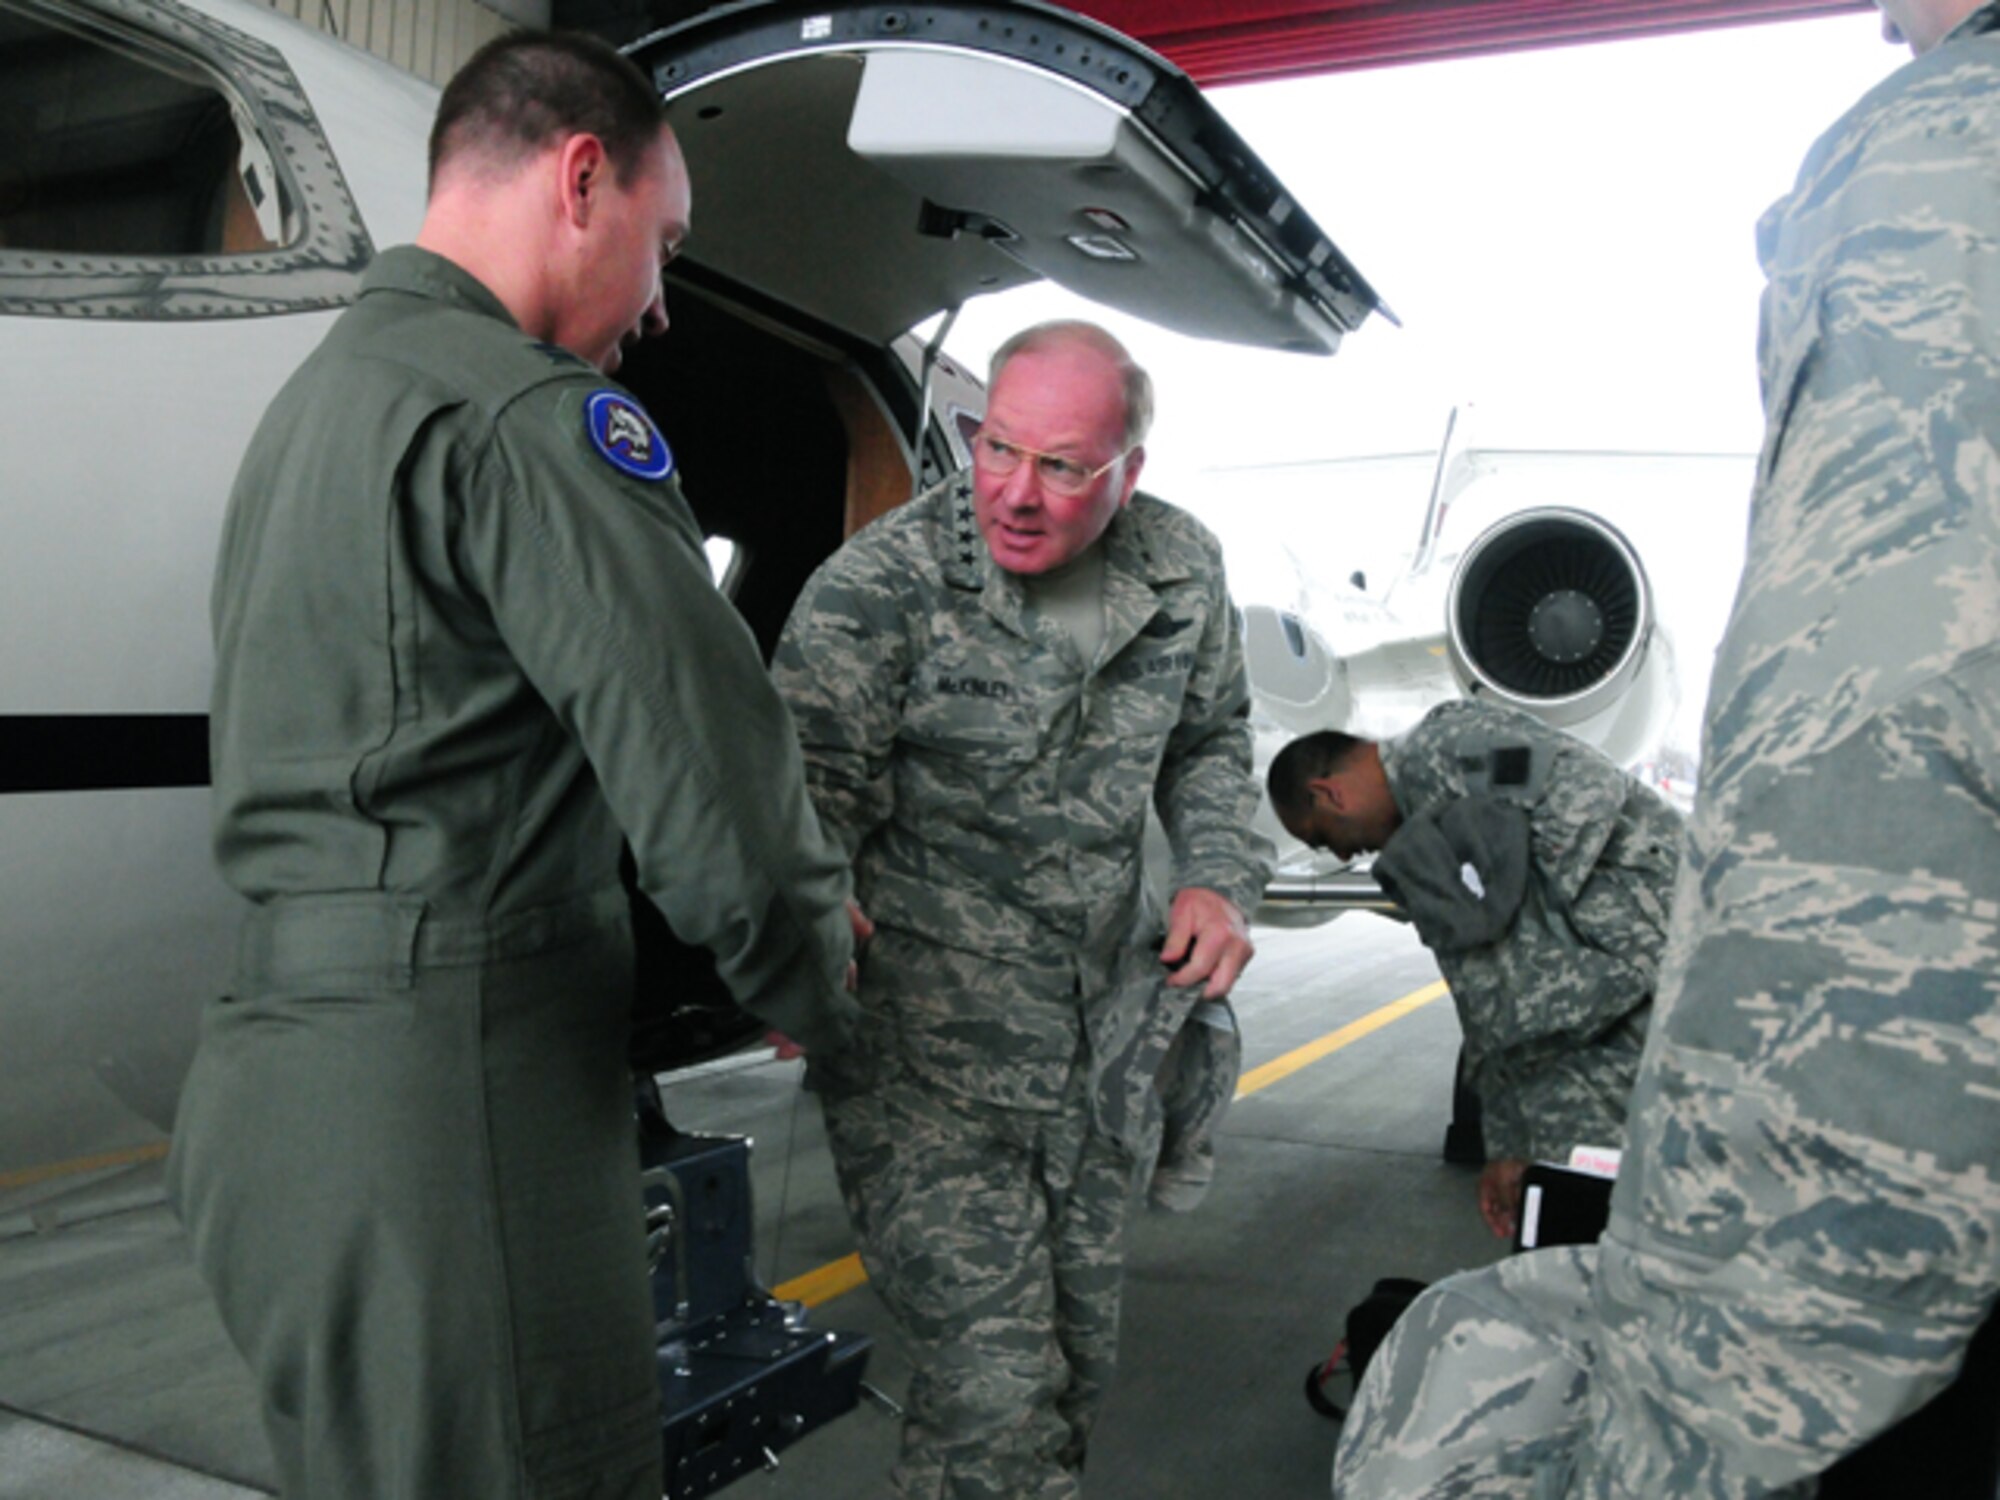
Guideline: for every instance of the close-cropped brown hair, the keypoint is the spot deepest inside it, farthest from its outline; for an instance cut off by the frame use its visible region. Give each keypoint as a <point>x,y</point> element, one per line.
<point>523,92</point>
<point>1303,761</point>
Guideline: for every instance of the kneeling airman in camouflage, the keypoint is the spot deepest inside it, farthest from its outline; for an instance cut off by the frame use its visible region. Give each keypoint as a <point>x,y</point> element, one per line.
<point>1540,877</point>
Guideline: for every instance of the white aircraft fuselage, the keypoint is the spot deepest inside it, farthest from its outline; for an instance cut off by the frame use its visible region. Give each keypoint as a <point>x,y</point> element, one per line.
<point>120,439</point>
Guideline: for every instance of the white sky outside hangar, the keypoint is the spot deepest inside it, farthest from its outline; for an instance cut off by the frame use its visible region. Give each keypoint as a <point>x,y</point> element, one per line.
<point>1568,236</point>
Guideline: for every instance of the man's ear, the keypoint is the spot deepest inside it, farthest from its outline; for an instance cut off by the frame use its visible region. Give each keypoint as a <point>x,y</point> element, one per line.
<point>583,175</point>
<point>1134,462</point>
<point>1330,788</point>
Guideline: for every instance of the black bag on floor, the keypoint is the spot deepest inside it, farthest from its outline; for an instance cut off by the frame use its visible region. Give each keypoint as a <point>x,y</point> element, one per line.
<point>1368,1323</point>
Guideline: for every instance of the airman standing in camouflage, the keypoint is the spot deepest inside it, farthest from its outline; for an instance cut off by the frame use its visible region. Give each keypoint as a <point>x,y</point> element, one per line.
<point>464,636</point>
<point>992,686</point>
<point>1806,1232</point>
<point>1540,876</point>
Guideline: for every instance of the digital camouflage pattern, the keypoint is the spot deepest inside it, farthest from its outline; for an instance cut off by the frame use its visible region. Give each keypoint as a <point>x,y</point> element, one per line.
<point>996,1239</point>
<point>1197,1083</point>
<point>1478,1392</point>
<point>993,787</point>
<point>1554,1011</point>
<point>1806,1232</point>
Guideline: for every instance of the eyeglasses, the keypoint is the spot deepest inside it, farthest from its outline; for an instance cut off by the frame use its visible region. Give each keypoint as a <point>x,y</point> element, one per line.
<point>1062,476</point>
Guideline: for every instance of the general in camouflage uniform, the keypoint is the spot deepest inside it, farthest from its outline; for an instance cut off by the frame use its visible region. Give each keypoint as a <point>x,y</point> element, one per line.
<point>1806,1233</point>
<point>993,684</point>
<point>465,635</point>
<point>1540,876</point>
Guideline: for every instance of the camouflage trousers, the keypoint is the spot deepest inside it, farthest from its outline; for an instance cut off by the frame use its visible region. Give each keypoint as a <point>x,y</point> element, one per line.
<point>1482,1389</point>
<point>1479,1391</point>
<point>996,1238</point>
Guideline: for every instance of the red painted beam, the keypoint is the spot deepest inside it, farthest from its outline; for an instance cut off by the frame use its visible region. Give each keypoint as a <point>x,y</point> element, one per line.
<point>1235,41</point>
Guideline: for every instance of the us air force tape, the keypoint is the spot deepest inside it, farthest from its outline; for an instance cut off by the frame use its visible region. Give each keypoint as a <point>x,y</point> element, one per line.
<point>625,436</point>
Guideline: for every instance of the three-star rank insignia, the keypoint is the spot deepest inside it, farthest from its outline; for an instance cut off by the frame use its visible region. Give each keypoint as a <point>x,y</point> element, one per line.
<point>625,436</point>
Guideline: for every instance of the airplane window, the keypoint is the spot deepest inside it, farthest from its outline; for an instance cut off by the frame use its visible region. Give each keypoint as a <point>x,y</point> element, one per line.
<point>157,164</point>
<point>111,145</point>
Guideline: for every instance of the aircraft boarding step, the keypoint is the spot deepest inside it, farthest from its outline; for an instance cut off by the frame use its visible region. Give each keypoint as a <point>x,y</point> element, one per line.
<point>741,1375</point>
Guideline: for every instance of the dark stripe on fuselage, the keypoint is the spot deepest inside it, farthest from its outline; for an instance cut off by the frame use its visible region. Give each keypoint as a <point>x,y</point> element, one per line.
<point>102,752</point>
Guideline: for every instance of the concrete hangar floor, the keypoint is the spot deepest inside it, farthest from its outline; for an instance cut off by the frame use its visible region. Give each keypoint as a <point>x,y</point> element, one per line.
<point>116,1382</point>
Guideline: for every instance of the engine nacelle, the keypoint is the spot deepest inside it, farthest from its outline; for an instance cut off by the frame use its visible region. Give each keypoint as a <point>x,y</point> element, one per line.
<point>1550,612</point>
<point>1300,685</point>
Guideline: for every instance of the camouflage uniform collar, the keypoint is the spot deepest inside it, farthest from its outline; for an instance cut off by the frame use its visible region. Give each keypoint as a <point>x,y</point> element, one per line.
<point>1400,791</point>
<point>424,273</point>
<point>1128,551</point>
<point>1980,21</point>
<point>1134,567</point>
<point>962,550</point>
<point>1130,547</point>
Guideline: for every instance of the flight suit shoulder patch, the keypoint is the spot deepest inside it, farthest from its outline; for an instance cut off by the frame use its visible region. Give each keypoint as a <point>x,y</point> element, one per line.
<point>625,437</point>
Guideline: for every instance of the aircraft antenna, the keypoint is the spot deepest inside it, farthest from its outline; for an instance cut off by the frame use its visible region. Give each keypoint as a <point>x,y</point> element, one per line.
<point>1427,539</point>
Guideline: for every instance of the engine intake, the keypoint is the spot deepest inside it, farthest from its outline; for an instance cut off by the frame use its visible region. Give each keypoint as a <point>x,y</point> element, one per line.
<point>1550,610</point>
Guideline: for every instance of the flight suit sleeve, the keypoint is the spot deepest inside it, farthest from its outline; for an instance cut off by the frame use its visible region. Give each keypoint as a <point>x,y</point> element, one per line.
<point>842,665</point>
<point>1206,792</point>
<point>598,585</point>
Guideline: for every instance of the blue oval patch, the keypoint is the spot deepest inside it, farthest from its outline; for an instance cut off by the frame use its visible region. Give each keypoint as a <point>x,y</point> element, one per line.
<point>622,432</point>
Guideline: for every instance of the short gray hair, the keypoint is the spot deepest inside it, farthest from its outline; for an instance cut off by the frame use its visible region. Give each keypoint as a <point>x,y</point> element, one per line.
<point>1137,383</point>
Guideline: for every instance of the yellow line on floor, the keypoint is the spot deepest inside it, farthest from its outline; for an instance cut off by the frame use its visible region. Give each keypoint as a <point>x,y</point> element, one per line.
<point>1333,1041</point>
<point>829,1281</point>
<point>29,1176</point>
<point>824,1284</point>
<point>843,1275</point>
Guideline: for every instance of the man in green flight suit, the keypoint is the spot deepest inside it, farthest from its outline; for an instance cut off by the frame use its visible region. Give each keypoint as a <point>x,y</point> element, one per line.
<point>466,636</point>
<point>993,684</point>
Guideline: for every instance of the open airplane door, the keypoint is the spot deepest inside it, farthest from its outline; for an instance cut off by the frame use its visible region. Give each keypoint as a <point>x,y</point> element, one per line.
<point>860,169</point>
<point>871,166</point>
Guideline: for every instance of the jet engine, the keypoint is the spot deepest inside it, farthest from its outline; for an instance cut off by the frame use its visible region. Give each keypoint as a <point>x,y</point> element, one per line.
<point>1550,612</point>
